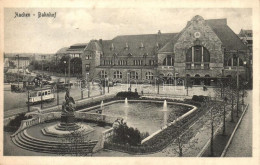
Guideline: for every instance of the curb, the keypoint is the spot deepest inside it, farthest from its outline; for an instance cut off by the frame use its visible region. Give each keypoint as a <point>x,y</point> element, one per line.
<point>233,133</point>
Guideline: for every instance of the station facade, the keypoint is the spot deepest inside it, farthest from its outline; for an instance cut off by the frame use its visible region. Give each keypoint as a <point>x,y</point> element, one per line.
<point>204,50</point>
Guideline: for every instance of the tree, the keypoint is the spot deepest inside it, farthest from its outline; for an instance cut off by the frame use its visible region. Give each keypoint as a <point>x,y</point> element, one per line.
<point>64,64</point>
<point>76,65</point>
<point>12,65</point>
<point>183,136</point>
<point>126,135</point>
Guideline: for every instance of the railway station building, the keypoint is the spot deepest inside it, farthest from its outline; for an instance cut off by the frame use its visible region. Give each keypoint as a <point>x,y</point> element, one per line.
<point>203,50</point>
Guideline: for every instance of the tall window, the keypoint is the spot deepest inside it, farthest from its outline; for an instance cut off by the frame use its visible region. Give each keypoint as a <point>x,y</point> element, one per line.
<point>87,67</point>
<point>233,61</point>
<point>138,62</point>
<point>118,74</point>
<point>122,62</point>
<point>168,61</point>
<point>197,55</point>
<point>133,75</point>
<point>103,74</point>
<point>88,57</point>
<point>149,75</point>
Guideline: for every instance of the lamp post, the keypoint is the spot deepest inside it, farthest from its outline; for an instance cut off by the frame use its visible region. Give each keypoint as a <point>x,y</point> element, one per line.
<point>42,81</point>
<point>57,90</point>
<point>127,79</point>
<point>69,73</point>
<point>87,81</point>
<point>237,58</point>
<point>224,115</point>
<point>175,81</point>
<point>243,95</point>
<point>158,85</point>
<point>107,84</point>
<point>18,69</point>
<point>65,70</point>
<point>28,101</point>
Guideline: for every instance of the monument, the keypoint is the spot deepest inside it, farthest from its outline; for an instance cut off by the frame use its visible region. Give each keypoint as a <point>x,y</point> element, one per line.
<point>68,123</point>
<point>67,115</point>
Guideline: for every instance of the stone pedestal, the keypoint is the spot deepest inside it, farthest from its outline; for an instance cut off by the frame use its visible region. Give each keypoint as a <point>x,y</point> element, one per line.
<point>67,122</point>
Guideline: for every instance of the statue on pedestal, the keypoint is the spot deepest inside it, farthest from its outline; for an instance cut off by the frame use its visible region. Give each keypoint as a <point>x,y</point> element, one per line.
<point>67,114</point>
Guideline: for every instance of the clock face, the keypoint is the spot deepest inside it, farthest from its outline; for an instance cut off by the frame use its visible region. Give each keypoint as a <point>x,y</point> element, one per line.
<point>197,34</point>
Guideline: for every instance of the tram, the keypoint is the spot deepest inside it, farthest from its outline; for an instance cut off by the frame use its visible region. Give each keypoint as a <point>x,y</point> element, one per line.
<point>41,95</point>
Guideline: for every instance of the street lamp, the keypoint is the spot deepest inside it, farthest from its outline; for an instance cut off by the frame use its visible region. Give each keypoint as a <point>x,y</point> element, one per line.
<point>87,81</point>
<point>127,79</point>
<point>175,81</point>
<point>107,84</point>
<point>224,115</point>
<point>237,58</point>
<point>28,101</point>
<point>243,95</point>
<point>65,70</point>
<point>245,64</point>
<point>18,69</point>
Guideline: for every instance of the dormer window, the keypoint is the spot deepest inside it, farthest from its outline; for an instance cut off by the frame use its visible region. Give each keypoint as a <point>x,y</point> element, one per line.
<point>112,47</point>
<point>126,46</point>
<point>142,46</point>
<point>157,45</point>
<point>129,54</point>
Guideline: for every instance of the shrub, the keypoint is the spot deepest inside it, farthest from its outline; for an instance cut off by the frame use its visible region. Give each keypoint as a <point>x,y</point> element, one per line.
<point>200,98</point>
<point>14,124</point>
<point>127,95</point>
<point>126,135</point>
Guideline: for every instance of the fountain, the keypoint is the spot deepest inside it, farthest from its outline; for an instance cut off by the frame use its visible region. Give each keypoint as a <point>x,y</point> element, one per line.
<point>126,102</point>
<point>165,117</point>
<point>165,105</point>
<point>126,109</point>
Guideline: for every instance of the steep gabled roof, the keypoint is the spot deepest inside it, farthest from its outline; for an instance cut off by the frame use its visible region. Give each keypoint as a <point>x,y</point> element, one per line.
<point>228,38</point>
<point>137,45</point>
<point>94,45</point>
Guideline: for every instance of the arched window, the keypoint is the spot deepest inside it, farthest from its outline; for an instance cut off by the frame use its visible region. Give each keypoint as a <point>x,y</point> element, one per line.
<point>118,74</point>
<point>103,74</point>
<point>197,55</point>
<point>133,75</point>
<point>168,61</point>
<point>149,75</point>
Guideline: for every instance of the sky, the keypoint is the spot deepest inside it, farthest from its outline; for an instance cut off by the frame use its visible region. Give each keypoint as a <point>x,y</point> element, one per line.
<point>79,25</point>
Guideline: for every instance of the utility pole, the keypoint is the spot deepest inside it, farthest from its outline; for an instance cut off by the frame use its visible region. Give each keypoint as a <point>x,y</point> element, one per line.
<point>237,84</point>
<point>57,90</point>
<point>69,73</point>
<point>28,101</point>
<point>107,85</point>
<point>41,83</point>
<point>18,70</point>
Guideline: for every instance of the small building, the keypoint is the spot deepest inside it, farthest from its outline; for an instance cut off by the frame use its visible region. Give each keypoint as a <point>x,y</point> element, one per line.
<point>21,62</point>
<point>76,50</point>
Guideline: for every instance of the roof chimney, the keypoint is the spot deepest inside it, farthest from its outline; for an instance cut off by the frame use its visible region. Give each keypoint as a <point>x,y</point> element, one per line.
<point>159,32</point>
<point>101,41</point>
